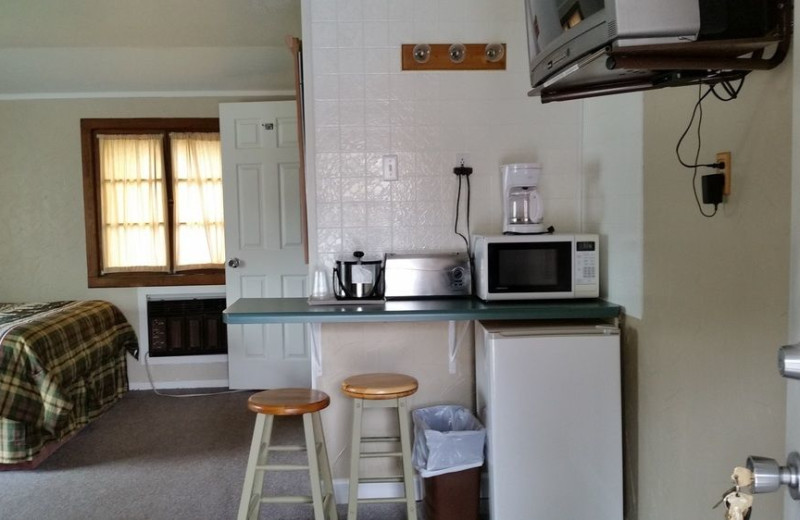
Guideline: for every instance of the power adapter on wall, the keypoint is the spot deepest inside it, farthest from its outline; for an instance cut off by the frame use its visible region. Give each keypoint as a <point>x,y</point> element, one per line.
<point>713,186</point>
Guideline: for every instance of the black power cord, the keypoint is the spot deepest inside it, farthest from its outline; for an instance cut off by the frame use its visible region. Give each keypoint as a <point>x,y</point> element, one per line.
<point>731,94</point>
<point>461,172</point>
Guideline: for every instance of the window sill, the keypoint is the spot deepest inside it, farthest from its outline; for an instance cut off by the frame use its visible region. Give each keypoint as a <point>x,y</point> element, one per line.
<point>157,279</point>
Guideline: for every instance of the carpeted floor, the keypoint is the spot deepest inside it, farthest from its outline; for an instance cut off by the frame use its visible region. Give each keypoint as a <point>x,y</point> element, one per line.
<point>157,458</point>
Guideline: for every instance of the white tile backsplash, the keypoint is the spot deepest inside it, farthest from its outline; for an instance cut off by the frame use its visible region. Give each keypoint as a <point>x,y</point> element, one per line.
<point>379,138</point>
<point>379,215</point>
<point>329,215</point>
<point>328,165</point>
<point>377,60</point>
<point>354,189</point>
<point>379,191</point>
<point>323,10</point>
<point>354,214</point>
<point>351,34</point>
<point>326,60</point>
<point>376,33</point>
<point>352,86</point>
<point>353,164</point>
<point>351,113</point>
<point>351,60</point>
<point>376,10</point>
<point>377,89</point>
<point>366,107</point>
<point>353,139</point>
<point>326,112</point>
<point>325,34</point>
<point>326,86</point>
<point>401,10</point>
<point>349,10</point>
<point>329,190</point>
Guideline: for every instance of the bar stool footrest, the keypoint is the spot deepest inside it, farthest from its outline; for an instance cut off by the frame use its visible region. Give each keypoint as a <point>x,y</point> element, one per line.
<point>282,467</point>
<point>379,454</point>
<point>381,500</point>
<point>380,439</point>
<point>286,499</point>
<point>287,448</point>
<point>379,480</point>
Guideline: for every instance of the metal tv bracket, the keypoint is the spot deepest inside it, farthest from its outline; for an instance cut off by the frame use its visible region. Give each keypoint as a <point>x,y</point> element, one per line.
<point>768,475</point>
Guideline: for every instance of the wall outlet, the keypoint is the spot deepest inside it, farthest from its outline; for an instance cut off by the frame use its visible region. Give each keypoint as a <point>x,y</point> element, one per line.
<point>725,157</point>
<point>390,167</point>
<point>462,159</point>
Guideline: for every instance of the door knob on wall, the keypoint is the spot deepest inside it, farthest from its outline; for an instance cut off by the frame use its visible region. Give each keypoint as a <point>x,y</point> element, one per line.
<point>789,361</point>
<point>234,263</point>
<point>768,475</point>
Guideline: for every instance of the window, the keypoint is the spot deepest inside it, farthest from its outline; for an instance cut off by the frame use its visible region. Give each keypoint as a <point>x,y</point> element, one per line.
<point>153,202</point>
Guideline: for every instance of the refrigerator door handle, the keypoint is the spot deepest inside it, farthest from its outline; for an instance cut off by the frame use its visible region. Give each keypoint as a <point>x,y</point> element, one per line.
<point>604,330</point>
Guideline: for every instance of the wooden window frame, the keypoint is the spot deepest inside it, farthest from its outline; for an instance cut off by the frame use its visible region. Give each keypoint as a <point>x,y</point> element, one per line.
<point>90,128</point>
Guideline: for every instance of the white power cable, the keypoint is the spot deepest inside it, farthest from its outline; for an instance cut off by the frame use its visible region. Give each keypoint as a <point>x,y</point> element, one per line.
<point>153,386</point>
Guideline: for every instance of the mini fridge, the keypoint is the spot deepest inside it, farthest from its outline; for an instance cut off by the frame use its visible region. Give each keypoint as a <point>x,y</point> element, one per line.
<point>549,395</point>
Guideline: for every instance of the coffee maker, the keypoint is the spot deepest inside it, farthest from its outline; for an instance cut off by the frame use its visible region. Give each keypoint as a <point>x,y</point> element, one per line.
<point>522,206</point>
<point>358,279</point>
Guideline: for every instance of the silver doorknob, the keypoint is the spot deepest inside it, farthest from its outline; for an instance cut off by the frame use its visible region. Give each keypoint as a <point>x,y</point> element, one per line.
<point>789,361</point>
<point>768,475</point>
<point>234,262</point>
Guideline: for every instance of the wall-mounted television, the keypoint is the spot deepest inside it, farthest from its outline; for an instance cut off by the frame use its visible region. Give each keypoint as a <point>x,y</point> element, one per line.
<point>582,48</point>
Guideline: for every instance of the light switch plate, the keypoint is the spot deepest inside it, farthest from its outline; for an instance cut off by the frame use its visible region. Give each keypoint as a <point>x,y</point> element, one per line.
<point>390,167</point>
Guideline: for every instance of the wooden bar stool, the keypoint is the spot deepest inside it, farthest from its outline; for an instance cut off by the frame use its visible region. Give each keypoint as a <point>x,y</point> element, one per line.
<point>381,391</point>
<point>288,401</point>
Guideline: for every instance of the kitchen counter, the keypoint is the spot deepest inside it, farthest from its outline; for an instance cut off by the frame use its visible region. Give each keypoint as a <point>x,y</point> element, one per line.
<point>298,310</point>
<point>391,337</point>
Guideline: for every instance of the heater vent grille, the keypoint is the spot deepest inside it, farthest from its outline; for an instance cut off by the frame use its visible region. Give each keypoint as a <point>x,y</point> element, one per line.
<point>186,327</point>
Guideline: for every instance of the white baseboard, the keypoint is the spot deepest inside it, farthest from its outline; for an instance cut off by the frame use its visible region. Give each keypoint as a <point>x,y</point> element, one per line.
<point>341,488</point>
<point>165,385</point>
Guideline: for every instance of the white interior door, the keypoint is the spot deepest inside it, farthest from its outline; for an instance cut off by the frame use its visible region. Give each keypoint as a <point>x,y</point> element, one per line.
<point>261,191</point>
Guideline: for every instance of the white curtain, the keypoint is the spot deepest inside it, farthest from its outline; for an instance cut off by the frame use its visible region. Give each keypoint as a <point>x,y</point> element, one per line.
<point>132,198</point>
<point>197,184</point>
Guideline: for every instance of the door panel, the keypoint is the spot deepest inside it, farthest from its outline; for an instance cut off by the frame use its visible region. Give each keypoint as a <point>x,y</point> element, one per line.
<point>261,189</point>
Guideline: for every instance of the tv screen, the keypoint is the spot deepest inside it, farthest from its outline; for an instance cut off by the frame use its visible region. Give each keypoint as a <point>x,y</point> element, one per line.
<point>582,48</point>
<point>554,17</point>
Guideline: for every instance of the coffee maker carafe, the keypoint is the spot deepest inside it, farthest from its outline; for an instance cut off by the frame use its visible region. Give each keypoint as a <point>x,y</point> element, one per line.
<point>522,206</point>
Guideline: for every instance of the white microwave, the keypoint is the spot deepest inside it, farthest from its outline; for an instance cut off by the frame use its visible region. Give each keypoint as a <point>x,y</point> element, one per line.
<point>537,267</point>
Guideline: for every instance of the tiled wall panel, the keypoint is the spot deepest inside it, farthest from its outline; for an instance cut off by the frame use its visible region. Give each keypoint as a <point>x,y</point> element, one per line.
<point>365,107</point>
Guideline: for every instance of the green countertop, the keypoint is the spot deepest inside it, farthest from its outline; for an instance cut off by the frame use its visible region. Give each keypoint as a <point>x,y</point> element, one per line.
<point>298,310</point>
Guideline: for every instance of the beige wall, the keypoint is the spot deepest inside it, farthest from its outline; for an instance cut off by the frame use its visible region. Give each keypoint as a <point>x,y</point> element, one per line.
<point>792,507</point>
<point>43,255</point>
<point>715,301</point>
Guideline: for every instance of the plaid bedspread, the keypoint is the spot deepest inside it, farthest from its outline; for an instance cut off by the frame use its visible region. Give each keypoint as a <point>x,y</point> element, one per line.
<point>61,365</point>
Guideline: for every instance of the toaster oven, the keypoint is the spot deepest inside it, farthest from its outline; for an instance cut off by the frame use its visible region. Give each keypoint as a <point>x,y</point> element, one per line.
<point>427,275</point>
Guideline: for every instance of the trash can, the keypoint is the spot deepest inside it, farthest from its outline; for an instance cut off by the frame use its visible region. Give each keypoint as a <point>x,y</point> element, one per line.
<point>448,453</point>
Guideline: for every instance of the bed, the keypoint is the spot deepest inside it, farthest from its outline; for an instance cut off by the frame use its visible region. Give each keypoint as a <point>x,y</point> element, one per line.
<point>62,364</point>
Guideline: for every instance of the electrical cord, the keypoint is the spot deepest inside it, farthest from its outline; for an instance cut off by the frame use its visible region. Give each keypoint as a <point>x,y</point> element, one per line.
<point>699,107</point>
<point>458,212</point>
<point>462,171</point>
<point>153,386</point>
<point>732,93</point>
<point>730,90</point>
<point>469,199</point>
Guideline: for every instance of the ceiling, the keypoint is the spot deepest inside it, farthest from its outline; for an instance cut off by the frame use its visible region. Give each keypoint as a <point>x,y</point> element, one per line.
<point>77,48</point>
